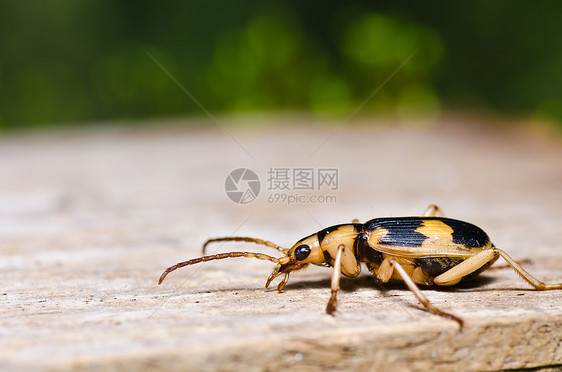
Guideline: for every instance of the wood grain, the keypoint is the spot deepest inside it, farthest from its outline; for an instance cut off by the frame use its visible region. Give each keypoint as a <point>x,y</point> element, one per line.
<point>90,219</point>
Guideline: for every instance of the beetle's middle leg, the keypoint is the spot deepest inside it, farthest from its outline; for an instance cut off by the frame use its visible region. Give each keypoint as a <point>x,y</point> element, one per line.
<point>419,295</point>
<point>336,277</point>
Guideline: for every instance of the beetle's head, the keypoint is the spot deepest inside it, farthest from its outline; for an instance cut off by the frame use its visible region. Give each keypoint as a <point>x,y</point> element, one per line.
<point>304,252</point>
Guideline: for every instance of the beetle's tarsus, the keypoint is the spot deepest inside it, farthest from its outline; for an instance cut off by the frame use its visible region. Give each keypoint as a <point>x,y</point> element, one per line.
<point>332,303</point>
<point>432,309</point>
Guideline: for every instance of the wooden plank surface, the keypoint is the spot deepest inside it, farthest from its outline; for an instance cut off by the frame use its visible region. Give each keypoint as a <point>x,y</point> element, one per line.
<point>89,220</point>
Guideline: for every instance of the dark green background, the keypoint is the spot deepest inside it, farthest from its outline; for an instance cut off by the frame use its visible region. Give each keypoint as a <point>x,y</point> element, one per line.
<point>69,62</point>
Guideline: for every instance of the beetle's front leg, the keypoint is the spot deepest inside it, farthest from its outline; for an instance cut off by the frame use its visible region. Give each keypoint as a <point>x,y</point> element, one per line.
<point>336,277</point>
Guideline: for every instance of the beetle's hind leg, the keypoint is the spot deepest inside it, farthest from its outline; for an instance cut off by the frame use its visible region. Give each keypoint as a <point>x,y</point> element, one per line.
<point>525,261</point>
<point>433,211</point>
<point>537,284</point>
<point>420,296</point>
<point>478,261</point>
<point>466,267</point>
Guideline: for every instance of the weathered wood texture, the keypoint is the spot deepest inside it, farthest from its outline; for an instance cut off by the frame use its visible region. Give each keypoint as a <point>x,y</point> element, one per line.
<point>89,220</point>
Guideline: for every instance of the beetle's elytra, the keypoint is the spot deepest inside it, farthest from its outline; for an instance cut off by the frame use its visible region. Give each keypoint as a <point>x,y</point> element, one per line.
<point>428,250</point>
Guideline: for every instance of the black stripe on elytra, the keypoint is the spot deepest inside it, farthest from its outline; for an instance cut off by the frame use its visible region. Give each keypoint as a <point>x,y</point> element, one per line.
<point>467,234</point>
<point>401,230</point>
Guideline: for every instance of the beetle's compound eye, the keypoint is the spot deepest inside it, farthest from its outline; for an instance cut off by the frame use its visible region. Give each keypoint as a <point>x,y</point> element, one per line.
<point>302,252</point>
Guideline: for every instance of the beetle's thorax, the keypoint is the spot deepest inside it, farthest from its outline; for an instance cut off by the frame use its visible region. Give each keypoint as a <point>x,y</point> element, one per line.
<point>331,238</point>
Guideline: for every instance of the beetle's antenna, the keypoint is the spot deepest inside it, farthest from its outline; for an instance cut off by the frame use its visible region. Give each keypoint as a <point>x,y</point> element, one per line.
<point>246,239</point>
<point>220,256</point>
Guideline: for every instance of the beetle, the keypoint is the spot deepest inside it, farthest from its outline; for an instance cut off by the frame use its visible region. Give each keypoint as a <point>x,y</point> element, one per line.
<point>430,250</point>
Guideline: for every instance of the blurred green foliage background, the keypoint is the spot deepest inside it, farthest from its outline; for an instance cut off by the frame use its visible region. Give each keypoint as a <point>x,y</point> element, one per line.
<point>73,62</point>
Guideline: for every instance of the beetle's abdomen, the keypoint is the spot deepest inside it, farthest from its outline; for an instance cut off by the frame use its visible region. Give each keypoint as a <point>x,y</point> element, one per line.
<point>434,266</point>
